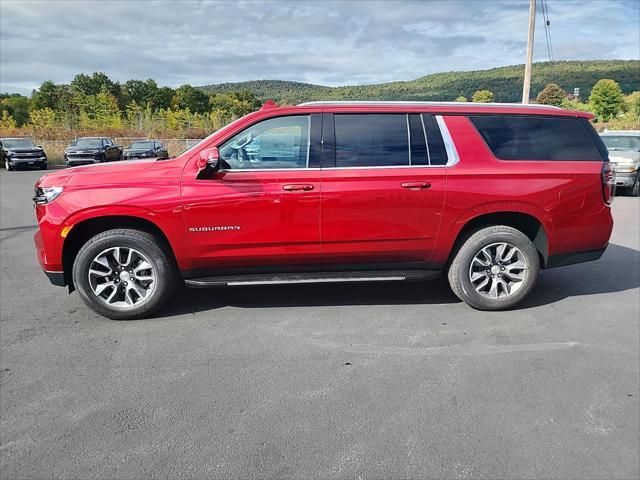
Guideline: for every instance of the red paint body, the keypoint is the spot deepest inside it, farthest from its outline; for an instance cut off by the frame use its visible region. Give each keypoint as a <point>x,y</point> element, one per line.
<point>332,216</point>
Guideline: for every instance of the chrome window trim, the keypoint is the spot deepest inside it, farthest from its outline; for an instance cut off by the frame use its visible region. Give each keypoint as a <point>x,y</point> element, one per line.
<point>449,146</point>
<point>249,170</point>
<point>408,138</point>
<point>452,155</point>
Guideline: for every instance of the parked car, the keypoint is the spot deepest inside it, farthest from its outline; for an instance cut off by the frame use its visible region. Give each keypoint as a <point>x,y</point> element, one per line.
<point>337,192</point>
<point>87,150</point>
<point>624,154</point>
<point>145,149</point>
<point>22,153</point>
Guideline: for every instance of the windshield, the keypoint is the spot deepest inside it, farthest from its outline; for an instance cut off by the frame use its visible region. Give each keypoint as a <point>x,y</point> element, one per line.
<point>88,143</point>
<point>621,143</point>
<point>142,145</point>
<point>19,143</point>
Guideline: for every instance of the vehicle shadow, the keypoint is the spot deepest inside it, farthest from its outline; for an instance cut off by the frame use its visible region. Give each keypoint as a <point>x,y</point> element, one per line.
<point>618,270</point>
<point>189,300</point>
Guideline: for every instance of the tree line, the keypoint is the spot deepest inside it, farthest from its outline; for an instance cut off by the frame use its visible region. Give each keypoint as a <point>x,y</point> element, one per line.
<point>92,103</point>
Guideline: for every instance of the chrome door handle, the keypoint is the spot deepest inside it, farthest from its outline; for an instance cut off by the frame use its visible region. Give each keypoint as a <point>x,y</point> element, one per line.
<point>298,187</point>
<point>416,185</point>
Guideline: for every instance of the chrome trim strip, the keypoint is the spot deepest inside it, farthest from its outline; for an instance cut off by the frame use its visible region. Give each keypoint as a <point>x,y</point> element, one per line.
<point>435,104</point>
<point>54,271</point>
<point>312,280</point>
<point>249,170</point>
<point>383,166</point>
<point>449,146</point>
<point>408,137</point>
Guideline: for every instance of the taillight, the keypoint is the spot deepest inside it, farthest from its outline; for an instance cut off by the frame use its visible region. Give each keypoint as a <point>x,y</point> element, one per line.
<point>608,183</point>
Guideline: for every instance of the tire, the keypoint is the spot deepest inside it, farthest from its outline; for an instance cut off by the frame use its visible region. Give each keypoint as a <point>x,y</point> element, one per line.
<point>43,166</point>
<point>634,191</point>
<point>127,303</point>
<point>469,261</point>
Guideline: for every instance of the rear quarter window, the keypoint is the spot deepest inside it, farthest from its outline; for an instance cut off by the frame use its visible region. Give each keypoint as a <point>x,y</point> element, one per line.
<point>517,137</point>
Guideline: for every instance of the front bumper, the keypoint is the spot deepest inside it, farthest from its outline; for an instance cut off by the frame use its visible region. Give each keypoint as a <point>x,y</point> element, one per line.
<point>53,271</point>
<point>56,278</point>
<point>18,162</point>
<point>625,179</point>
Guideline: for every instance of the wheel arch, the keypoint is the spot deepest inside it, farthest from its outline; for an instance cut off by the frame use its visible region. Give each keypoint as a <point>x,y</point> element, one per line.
<point>527,223</point>
<point>89,227</point>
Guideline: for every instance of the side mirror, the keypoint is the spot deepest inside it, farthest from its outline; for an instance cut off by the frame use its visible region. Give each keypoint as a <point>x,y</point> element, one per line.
<point>208,163</point>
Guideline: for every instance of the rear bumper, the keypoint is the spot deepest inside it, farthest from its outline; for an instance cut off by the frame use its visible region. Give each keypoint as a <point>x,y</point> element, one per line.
<point>562,259</point>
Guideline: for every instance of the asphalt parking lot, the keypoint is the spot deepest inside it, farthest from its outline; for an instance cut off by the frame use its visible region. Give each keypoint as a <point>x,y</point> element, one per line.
<point>343,381</point>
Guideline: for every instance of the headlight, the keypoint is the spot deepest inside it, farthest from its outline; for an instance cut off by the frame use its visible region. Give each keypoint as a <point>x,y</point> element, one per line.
<point>626,167</point>
<point>44,195</point>
<point>10,153</point>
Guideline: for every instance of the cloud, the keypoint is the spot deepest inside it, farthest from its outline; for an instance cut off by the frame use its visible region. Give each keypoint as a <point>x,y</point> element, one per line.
<point>331,43</point>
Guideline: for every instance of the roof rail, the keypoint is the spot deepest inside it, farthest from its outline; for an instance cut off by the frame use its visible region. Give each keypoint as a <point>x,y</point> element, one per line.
<point>436,104</point>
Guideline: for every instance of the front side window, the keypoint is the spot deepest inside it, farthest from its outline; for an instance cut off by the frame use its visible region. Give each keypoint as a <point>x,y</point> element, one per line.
<point>281,142</point>
<point>513,137</point>
<point>371,140</point>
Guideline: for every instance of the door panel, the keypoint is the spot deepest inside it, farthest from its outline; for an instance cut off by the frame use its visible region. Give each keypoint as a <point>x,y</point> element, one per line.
<point>368,215</point>
<point>248,218</point>
<point>382,200</point>
<point>256,212</point>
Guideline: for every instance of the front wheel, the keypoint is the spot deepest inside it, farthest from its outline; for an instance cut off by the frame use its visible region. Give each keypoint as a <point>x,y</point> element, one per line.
<point>495,268</point>
<point>635,189</point>
<point>124,274</point>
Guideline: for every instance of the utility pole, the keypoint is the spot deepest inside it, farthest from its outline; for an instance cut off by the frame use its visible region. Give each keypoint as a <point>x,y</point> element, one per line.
<point>527,68</point>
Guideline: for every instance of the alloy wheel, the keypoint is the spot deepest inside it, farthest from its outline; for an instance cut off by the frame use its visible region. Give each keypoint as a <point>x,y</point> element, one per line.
<point>122,277</point>
<point>498,270</point>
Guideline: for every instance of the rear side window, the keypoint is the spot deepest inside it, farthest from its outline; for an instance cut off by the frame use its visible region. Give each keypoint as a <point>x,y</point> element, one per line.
<point>371,140</point>
<point>513,137</point>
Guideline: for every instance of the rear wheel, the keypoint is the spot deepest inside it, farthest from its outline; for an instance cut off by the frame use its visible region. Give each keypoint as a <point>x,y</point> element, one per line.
<point>124,274</point>
<point>495,268</point>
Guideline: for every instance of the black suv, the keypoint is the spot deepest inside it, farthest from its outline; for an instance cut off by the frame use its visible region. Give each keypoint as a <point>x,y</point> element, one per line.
<point>145,149</point>
<point>88,150</point>
<point>22,152</point>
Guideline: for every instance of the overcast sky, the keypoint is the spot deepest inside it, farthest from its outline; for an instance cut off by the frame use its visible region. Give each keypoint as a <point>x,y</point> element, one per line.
<point>202,42</point>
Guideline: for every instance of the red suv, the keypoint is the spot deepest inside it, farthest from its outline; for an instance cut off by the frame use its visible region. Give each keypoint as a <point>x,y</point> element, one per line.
<point>336,192</point>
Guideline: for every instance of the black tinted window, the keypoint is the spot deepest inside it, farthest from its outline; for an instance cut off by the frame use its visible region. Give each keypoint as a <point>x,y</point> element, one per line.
<point>437,152</point>
<point>371,140</point>
<point>512,137</point>
<point>419,155</point>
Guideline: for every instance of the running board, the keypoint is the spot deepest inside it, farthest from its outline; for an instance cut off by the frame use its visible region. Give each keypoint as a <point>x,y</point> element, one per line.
<point>312,277</point>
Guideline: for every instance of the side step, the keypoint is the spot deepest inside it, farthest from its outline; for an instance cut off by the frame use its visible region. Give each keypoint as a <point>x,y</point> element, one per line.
<point>311,277</point>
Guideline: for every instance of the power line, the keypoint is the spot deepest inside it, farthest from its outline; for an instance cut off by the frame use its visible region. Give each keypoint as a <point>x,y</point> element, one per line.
<point>547,28</point>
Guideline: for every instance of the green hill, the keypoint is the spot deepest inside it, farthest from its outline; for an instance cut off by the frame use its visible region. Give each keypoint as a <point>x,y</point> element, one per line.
<point>504,82</point>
